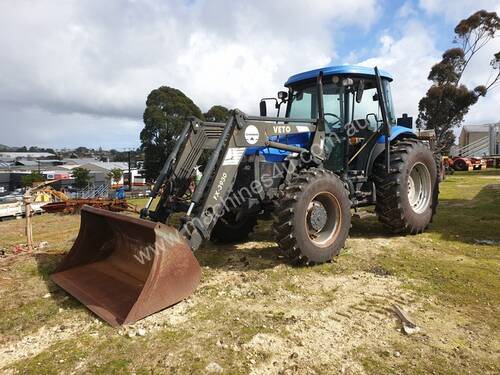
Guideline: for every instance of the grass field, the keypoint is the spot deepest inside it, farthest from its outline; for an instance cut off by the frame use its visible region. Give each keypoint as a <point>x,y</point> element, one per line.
<point>255,314</point>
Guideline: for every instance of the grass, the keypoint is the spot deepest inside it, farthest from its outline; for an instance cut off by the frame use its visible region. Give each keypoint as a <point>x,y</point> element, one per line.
<point>141,202</point>
<point>252,310</point>
<point>458,275</point>
<point>450,258</point>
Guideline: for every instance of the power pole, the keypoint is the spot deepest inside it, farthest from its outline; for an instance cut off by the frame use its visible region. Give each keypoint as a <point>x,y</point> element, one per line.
<point>129,174</point>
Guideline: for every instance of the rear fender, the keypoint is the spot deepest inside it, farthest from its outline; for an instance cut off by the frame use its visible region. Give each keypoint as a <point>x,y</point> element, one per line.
<point>397,133</point>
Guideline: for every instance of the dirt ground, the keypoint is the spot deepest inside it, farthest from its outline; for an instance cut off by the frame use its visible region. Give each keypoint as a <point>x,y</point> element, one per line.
<point>253,313</point>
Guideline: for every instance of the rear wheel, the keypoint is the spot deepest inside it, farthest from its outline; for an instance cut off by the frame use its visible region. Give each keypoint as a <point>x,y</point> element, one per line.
<point>313,219</point>
<point>407,196</point>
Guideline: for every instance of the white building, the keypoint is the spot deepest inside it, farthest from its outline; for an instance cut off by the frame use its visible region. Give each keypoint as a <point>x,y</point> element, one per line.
<point>106,167</point>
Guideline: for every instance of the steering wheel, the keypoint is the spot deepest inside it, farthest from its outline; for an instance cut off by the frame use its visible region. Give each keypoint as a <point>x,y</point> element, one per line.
<point>332,124</point>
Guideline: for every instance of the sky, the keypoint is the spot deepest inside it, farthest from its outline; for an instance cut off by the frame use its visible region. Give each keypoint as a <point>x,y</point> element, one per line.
<point>77,73</point>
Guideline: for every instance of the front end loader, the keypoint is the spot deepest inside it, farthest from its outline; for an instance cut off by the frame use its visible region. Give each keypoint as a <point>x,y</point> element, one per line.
<point>337,148</point>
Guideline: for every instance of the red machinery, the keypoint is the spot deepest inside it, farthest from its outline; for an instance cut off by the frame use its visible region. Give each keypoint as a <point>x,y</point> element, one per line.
<point>461,163</point>
<point>72,206</point>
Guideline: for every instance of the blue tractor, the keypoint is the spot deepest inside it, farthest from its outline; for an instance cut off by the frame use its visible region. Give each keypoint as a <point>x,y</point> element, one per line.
<point>336,147</point>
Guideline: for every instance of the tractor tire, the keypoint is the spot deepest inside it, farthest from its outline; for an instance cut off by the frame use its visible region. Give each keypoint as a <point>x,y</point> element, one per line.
<point>313,219</point>
<point>441,176</point>
<point>407,197</point>
<point>440,167</point>
<point>228,230</point>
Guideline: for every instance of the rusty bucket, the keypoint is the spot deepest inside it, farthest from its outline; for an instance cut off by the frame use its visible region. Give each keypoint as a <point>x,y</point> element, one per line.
<point>124,269</point>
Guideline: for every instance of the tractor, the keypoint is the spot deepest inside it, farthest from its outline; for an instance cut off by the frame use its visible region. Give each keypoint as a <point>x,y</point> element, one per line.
<point>334,145</point>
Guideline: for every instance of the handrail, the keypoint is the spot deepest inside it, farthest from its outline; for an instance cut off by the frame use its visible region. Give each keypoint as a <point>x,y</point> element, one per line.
<point>477,145</point>
<point>476,142</point>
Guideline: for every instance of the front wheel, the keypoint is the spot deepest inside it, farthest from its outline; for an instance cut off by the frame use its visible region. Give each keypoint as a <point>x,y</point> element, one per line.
<point>313,218</point>
<point>231,228</point>
<point>407,196</point>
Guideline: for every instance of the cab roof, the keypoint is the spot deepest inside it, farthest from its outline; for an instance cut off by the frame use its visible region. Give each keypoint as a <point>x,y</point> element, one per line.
<point>340,70</point>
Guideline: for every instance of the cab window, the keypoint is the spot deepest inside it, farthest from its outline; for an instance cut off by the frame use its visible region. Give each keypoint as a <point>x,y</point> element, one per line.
<point>367,105</point>
<point>332,101</point>
<point>303,104</point>
<point>388,97</point>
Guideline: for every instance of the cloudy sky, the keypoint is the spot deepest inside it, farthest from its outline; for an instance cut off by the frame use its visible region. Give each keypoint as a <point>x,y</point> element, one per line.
<point>78,72</point>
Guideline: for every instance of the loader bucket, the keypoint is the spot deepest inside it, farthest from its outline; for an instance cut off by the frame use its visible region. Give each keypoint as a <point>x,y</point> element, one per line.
<point>124,269</point>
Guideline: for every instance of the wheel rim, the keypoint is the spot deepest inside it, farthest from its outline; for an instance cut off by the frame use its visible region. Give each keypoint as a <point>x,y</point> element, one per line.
<point>322,221</point>
<point>419,188</point>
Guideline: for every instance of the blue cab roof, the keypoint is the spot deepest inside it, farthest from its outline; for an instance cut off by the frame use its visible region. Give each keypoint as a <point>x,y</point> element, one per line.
<point>339,69</point>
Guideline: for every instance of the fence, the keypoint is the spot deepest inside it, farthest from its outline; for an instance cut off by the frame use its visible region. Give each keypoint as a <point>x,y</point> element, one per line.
<point>93,191</point>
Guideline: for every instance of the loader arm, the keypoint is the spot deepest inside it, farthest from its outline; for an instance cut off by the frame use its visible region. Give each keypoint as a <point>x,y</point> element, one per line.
<point>195,137</point>
<point>174,178</point>
<point>241,132</point>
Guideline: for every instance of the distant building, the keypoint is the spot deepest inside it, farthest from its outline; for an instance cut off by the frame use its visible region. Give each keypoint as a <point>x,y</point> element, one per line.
<point>14,155</point>
<point>101,169</point>
<point>11,172</point>
<point>107,166</point>
<point>472,133</point>
<point>79,161</point>
<point>479,140</point>
<point>27,163</point>
<point>11,177</point>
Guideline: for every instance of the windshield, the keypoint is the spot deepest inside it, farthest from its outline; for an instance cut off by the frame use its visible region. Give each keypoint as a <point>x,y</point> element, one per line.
<point>370,105</point>
<point>303,104</point>
<point>388,98</point>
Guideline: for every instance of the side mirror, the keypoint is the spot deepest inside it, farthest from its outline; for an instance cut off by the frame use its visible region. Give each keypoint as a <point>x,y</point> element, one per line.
<point>372,120</point>
<point>359,91</point>
<point>263,108</point>
<point>373,116</point>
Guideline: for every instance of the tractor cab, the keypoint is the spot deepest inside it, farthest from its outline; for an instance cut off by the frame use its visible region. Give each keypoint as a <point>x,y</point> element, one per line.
<point>350,103</point>
<point>349,94</point>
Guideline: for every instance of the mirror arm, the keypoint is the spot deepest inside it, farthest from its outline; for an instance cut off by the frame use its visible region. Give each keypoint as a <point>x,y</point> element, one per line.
<point>359,91</point>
